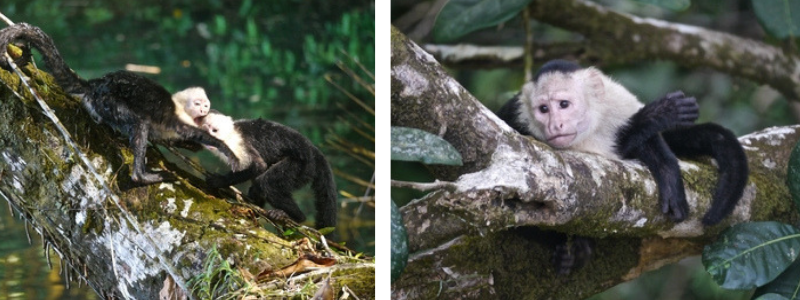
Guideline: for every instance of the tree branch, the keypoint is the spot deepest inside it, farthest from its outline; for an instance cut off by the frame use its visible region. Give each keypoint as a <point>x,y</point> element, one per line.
<point>631,38</point>
<point>124,249</point>
<point>510,183</point>
<point>616,38</point>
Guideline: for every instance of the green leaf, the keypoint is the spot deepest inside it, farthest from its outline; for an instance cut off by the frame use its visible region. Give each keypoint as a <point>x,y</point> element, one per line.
<point>781,18</point>
<point>675,5</point>
<point>786,286</point>
<point>410,144</point>
<point>459,17</point>
<point>750,255</point>
<point>793,175</point>
<point>772,297</point>
<point>399,243</point>
<point>326,230</point>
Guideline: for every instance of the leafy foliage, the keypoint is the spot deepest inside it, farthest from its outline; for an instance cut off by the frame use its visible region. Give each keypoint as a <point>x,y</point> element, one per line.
<point>410,144</point>
<point>781,18</point>
<point>676,5</point>
<point>750,255</point>
<point>459,17</point>
<point>218,280</point>
<point>399,243</point>
<point>771,297</point>
<point>786,285</point>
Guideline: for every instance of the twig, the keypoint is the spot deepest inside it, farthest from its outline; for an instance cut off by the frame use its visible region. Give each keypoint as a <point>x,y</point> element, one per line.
<point>420,186</point>
<point>7,20</point>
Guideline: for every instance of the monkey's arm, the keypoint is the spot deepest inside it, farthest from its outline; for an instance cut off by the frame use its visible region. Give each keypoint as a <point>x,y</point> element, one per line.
<point>232,178</point>
<point>197,135</point>
<point>662,163</point>
<point>672,111</point>
<point>714,140</point>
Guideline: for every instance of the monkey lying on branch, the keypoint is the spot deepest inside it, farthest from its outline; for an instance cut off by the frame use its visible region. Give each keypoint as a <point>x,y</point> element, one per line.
<point>570,107</point>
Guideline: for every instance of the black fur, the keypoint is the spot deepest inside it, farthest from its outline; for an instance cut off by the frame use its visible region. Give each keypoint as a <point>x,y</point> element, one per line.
<point>283,161</point>
<point>556,65</point>
<point>132,104</point>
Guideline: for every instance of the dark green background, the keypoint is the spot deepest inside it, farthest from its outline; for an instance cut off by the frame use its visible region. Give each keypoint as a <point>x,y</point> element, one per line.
<point>256,59</point>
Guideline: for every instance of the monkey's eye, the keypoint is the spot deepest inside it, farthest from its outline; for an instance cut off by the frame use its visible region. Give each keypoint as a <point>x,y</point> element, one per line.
<point>563,103</point>
<point>544,109</point>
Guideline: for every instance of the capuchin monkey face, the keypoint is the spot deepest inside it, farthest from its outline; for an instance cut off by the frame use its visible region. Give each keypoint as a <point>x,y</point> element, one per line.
<point>219,126</point>
<point>557,109</point>
<point>194,102</point>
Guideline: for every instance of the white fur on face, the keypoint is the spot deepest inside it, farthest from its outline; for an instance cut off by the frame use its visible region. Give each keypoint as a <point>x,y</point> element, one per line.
<point>223,128</point>
<point>557,108</point>
<point>595,109</point>
<point>191,104</point>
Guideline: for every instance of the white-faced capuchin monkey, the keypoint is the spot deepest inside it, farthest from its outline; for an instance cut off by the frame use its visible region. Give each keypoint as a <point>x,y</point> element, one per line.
<point>191,105</point>
<point>278,160</point>
<point>570,107</point>
<point>132,104</point>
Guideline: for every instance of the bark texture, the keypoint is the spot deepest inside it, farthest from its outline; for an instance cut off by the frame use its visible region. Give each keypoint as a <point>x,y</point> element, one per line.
<point>478,240</point>
<point>157,237</point>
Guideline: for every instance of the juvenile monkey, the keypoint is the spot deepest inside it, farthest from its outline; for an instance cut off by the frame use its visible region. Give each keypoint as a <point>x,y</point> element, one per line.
<point>278,160</point>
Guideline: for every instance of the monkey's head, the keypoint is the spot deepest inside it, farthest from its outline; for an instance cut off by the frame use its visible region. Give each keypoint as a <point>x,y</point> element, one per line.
<point>561,106</point>
<point>193,102</point>
<point>218,125</point>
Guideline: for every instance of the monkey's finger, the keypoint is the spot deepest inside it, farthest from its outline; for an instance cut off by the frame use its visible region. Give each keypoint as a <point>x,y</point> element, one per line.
<point>675,94</point>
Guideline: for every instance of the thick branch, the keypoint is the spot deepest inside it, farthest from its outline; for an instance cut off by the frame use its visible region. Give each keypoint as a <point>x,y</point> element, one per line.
<point>476,56</point>
<point>616,38</point>
<point>631,38</point>
<point>511,182</point>
<point>174,225</point>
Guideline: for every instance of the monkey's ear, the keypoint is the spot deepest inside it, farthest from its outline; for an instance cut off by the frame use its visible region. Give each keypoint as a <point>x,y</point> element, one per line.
<point>595,88</point>
<point>528,90</point>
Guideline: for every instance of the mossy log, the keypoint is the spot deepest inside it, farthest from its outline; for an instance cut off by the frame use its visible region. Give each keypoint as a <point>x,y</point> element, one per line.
<point>153,239</point>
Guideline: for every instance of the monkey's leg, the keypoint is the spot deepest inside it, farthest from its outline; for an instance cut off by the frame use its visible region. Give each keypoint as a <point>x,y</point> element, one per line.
<point>663,165</point>
<point>713,140</point>
<point>138,144</point>
<point>276,186</point>
<point>672,111</point>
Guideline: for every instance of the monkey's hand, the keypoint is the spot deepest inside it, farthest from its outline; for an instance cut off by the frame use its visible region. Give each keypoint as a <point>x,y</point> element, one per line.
<point>672,111</point>
<point>675,110</point>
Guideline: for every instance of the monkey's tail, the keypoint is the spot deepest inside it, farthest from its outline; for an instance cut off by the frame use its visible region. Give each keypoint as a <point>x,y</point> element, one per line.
<point>65,77</point>
<point>721,144</point>
<point>324,193</point>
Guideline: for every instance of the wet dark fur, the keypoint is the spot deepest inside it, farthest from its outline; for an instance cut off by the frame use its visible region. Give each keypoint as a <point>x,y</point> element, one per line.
<point>283,160</point>
<point>132,104</point>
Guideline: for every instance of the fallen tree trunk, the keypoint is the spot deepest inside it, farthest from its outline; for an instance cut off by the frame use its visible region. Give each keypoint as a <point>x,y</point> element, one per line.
<point>171,239</point>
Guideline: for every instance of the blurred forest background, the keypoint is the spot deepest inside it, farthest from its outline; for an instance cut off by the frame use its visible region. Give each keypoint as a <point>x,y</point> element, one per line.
<point>306,64</point>
<point>735,103</point>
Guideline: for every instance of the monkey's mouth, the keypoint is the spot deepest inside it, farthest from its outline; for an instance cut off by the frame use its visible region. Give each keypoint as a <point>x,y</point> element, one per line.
<point>561,140</point>
<point>199,121</point>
